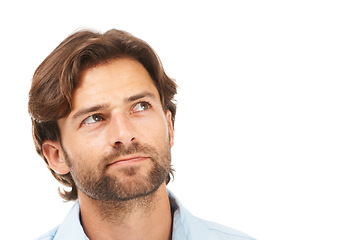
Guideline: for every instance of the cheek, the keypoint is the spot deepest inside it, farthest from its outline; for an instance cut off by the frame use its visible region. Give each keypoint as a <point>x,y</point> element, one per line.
<point>82,150</point>
<point>153,131</point>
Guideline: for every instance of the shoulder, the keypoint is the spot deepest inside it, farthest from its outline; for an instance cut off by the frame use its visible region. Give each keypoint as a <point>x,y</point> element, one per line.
<point>217,231</point>
<point>70,228</point>
<point>188,227</point>
<point>48,235</point>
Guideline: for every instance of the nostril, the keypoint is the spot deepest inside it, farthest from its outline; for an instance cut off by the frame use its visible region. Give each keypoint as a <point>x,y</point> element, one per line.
<point>124,140</point>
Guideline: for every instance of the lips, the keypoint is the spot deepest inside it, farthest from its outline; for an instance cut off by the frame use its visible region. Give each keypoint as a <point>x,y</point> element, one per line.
<point>128,160</point>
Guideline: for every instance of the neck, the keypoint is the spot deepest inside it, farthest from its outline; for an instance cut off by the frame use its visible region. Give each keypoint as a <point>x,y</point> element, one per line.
<point>142,218</point>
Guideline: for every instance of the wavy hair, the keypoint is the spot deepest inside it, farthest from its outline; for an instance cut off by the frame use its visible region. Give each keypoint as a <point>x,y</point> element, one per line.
<point>54,81</point>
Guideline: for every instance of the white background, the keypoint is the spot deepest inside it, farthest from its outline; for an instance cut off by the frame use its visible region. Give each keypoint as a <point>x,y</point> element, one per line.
<point>257,121</point>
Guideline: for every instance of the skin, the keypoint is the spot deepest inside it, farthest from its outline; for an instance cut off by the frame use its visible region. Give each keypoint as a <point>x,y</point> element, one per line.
<point>128,111</point>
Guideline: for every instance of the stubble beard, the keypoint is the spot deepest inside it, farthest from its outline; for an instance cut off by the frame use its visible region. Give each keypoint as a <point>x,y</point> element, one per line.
<point>107,188</point>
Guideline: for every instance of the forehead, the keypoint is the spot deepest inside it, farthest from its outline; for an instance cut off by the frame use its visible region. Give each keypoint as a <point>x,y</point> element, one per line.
<point>112,82</point>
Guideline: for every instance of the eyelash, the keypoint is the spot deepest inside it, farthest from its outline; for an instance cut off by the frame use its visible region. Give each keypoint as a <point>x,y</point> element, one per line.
<point>102,118</point>
<point>142,102</point>
<point>92,116</point>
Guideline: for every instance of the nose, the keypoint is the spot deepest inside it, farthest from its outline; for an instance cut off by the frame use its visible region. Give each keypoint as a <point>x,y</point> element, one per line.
<point>121,131</point>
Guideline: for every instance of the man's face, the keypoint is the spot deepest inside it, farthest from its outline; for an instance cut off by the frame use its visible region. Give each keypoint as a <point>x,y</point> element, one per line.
<point>116,140</point>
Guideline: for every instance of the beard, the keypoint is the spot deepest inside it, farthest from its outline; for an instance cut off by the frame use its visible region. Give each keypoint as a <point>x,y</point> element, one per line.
<point>99,184</point>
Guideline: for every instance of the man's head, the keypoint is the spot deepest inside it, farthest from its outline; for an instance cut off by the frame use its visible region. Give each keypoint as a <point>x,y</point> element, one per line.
<point>102,112</point>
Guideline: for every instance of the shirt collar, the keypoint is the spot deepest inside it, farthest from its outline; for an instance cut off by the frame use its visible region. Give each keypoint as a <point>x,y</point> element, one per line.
<point>71,227</point>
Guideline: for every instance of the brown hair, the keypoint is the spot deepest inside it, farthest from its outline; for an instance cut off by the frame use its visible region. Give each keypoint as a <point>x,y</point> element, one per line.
<point>54,81</point>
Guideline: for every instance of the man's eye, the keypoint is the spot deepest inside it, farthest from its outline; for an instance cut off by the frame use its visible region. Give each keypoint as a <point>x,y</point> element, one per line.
<point>93,119</point>
<point>141,106</point>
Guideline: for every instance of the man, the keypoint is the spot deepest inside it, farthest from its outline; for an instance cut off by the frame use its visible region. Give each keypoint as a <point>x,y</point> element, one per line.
<point>103,120</point>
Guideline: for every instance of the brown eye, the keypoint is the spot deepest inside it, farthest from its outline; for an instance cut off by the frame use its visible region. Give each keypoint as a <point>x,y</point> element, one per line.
<point>141,106</point>
<point>93,119</point>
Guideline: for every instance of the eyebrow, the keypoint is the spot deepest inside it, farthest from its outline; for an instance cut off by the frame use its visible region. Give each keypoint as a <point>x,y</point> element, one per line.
<point>139,96</point>
<point>86,111</point>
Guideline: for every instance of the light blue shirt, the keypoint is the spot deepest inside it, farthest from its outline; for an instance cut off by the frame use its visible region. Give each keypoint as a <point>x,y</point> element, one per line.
<point>185,227</point>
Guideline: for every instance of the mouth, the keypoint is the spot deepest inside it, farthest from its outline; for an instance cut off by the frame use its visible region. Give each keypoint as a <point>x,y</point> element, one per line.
<point>129,160</point>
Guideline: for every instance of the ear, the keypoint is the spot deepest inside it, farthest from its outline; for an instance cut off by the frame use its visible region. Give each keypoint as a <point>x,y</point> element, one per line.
<point>170,128</point>
<point>53,152</point>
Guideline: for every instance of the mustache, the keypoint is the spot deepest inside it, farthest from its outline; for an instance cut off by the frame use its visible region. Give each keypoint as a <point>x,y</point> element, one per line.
<point>122,150</point>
